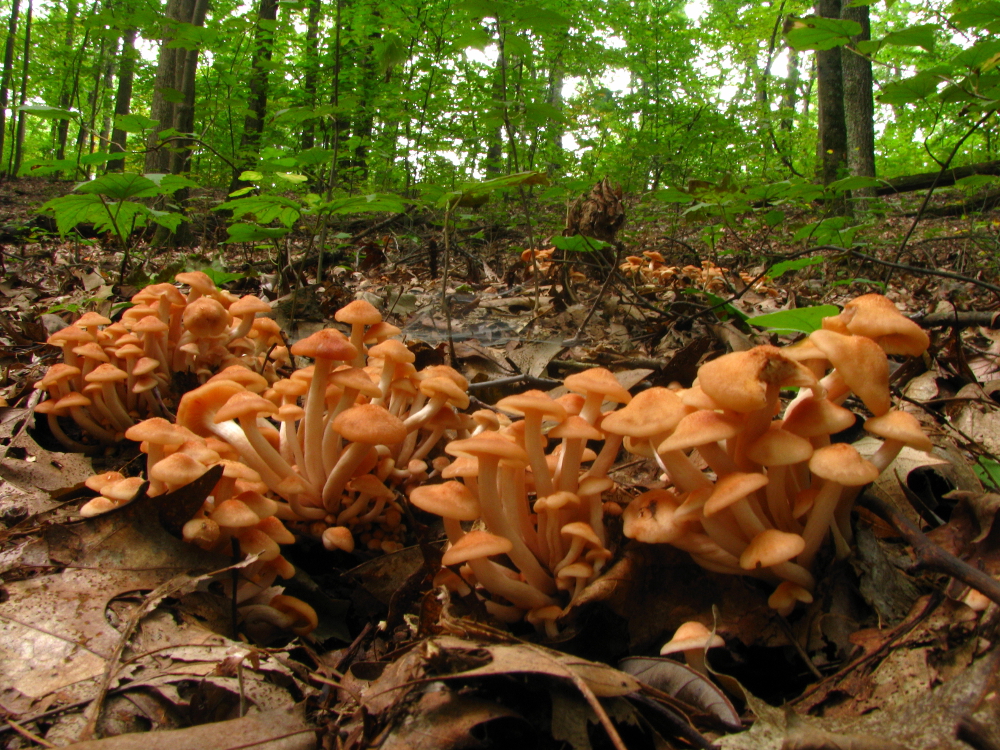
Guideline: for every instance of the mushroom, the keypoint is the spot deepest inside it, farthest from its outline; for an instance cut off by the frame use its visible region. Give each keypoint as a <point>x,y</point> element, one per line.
<point>357,315</point>
<point>774,549</point>
<point>535,407</point>
<point>693,640</point>
<point>597,386</point>
<point>452,501</point>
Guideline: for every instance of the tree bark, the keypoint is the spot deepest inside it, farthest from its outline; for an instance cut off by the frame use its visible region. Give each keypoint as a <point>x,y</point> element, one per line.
<point>832,141</point>
<point>23,98</point>
<point>253,125</point>
<point>71,74</point>
<point>8,72</point>
<point>312,72</point>
<point>859,105</point>
<point>123,98</point>
<point>924,180</point>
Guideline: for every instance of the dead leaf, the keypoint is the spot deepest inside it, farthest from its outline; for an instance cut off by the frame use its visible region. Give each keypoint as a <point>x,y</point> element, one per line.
<point>683,683</point>
<point>284,729</point>
<point>442,720</point>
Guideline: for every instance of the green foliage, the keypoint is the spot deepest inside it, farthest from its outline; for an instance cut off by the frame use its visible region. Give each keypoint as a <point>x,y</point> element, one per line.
<point>579,244</point>
<point>988,471</point>
<point>801,320</point>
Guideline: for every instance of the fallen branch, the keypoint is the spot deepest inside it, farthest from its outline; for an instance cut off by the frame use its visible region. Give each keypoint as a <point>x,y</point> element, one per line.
<point>929,555</point>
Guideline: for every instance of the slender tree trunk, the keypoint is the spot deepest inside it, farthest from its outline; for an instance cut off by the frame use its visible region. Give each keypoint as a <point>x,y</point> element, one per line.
<point>123,98</point>
<point>312,72</point>
<point>68,85</point>
<point>184,82</point>
<point>162,107</point>
<point>253,125</point>
<point>8,71</point>
<point>23,98</point>
<point>859,106</point>
<point>832,140</point>
<point>555,99</point>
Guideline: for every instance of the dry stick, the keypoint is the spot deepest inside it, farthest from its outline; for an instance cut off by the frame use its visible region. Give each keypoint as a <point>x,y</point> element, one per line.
<point>929,555</point>
<point>28,735</point>
<point>930,190</point>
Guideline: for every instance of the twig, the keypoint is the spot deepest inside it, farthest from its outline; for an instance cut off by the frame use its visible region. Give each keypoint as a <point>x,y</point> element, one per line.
<point>929,555</point>
<point>29,735</point>
<point>600,295</point>
<point>445,307</point>
<point>529,380</point>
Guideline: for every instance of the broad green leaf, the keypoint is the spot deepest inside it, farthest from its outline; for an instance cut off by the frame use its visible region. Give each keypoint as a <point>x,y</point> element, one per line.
<point>251,176</point>
<point>293,178</point>
<point>221,277</point>
<point>242,191</point>
<point>980,57</point>
<point>774,217</point>
<point>983,16</point>
<point>98,157</point>
<point>579,244</point>
<point>801,320</point>
<point>122,218</point>
<point>539,20</point>
<point>818,33</point>
<point>542,113</point>
<point>914,36</point>
<point>135,123</point>
<point>794,265</point>
<point>171,183</point>
<point>988,472</point>
<point>169,219</point>
<point>363,204</point>
<point>909,90</point>
<point>73,209</point>
<point>852,183</point>
<point>314,156</point>
<point>49,113</point>
<point>43,167</point>
<point>976,181</point>
<point>172,95</point>
<point>673,195</point>
<point>121,187</point>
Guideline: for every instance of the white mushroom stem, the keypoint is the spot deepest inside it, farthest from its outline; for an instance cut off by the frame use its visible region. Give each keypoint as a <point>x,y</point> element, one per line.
<point>777,497</point>
<point>818,522</point>
<point>717,458</point>
<point>349,460</point>
<point>86,423</point>
<point>568,474</point>
<point>496,521</point>
<point>534,446</point>
<point>496,581</point>
<point>606,458</point>
<point>789,571</point>
<point>684,475</point>
<point>591,408</point>
<point>67,442</point>
<point>725,532</point>
<point>515,506</point>
<point>313,433</point>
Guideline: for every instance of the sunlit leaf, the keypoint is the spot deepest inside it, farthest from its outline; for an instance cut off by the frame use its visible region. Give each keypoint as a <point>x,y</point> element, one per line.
<point>801,320</point>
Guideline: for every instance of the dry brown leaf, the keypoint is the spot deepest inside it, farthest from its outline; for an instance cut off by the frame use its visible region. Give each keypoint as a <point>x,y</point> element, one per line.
<point>683,683</point>
<point>442,720</point>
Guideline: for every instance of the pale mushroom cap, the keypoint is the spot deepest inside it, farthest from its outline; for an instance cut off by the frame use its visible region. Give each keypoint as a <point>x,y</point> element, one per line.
<point>246,377</point>
<point>244,404</point>
<point>701,428</point>
<point>813,417</point>
<point>650,412</point>
<point>358,311</point>
<point>533,401</point>
<point>487,444</point>
<point>787,594</point>
<point>177,469</point>
<point>476,544</point>
<point>249,305</point>
<point>574,427</point>
<point>306,618</point>
<point>841,463</point>
<point>106,373</point>
<point>156,430</point>
<point>598,380</point>
<point>649,518</point>
<point>328,343</point>
<point>392,349</point>
<point>455,393</point>
<point>877,318</point>
<point>355,377</point>
<point>583,531</point>
<point>690,636</point>
<point>122,491</point>
<point>370,424</point>
<point>739,381</point>
<point>338,537</point>
<point>779,447</point>
<point>901,426</point>
<point>732,488</point>
<point>206,317</point>
<point>771,547</point>
<point>234,514</point>
<point>861,363</point>
<point>449,500</point>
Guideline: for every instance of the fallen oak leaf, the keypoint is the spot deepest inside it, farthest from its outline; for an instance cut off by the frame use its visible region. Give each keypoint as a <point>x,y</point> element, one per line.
<point>683,683</point>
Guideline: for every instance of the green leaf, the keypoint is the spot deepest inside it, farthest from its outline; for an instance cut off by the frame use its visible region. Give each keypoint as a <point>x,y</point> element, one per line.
<point>172,95</point>
<point>580,244</point>
<point>293,178</point>
<point>914,36</point>
<point>723,309</point>
<point>794,265</point>
<point>169,219</point>
<point>988,472</point>
<point>221,277</point>
<point>120,187</point>
<point>801,320</point>
<point>135,123</point>
<point>73,209</point>
<point>852,183</point>
<point>313,156</point>
<point>773,218</point>
<point>171,183</point>
<point>976,181</point>
<point>981,57</point>
<point>49,113</point>
<point>673,195</point>
<point>251,233</point>
<point>251,176</point>
<point>983,16</point>
<point>363,204</point>
<point>98,157</point>
<point>818,33</point>
<point>909,90</point>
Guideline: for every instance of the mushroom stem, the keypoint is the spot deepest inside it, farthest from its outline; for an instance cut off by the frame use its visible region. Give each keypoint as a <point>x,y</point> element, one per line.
<point>818,522</point>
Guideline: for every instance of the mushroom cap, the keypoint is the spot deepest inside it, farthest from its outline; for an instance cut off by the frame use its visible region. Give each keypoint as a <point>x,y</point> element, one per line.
<point>98,481</point>
<point>841,463</point>
<point>771,547</point>
<point>252,381</point>
<point>149,324</point>
<point>177,470</point>
<point>392,349</point>
<point>328,343</point>
<point>901,426</point>
<point>156,430</point>
<point>448,500</point>
<point>877,318</point>
<point>381,332</point>
<point>443,371</point>
<point>779,447</point>
<point>206,317</point>
<point>462,466</point>
<point>812,417</point>
<point>338,537</point>
<point>861,363</point>
<point>59,372</point>
<point>649,518</point>
<point>456,394</point>
<point>696,398</point>
<point>578,569</point>
<point>533,401</point>
<point>145,366</point>
<point>122,491</point>
<point>244,405</point>
<point>106,373</point>
<point>92,319</point>
<point>369,424</point>
<point>701,428</point>
<point>650,412</point>
<point>598,380</point>
<point>197,280</point>
<point>234,514</point>
<point>691,636</point>
<point>358,311</point>
<point>356,378</point>
<point>253,541</point>
<point>249,305</point>
<point>576,428</point>
<point>582,530</point>
<point>306,618</point>
<point>739,381</point>
<point>264,507</point>
<point>274,528</point>
<point>487,444</point>
<point>474,545</point>
<point>197,407</point>
<point>787,594</point>
<point>732,488</point>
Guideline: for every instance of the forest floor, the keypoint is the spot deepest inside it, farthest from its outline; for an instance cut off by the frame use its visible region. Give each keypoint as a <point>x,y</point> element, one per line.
<point>111,626</point>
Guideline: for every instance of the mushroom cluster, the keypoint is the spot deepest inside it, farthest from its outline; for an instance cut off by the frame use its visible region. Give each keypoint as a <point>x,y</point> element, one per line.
<point>114,374</point>
<point>780,487</point>
<point>542,509</point>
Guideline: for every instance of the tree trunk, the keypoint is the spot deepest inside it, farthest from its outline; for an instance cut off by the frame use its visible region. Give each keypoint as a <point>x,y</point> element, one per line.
<point>859,106</point>
<point>311,73</point>
<point>8,72</point>
<point>832,141</point>
<point>23,98</point>
<point>184,82</point>
<point>70,78</point>
<point>253,125</point>
<point>123,98</point>
<point>162,108</point>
